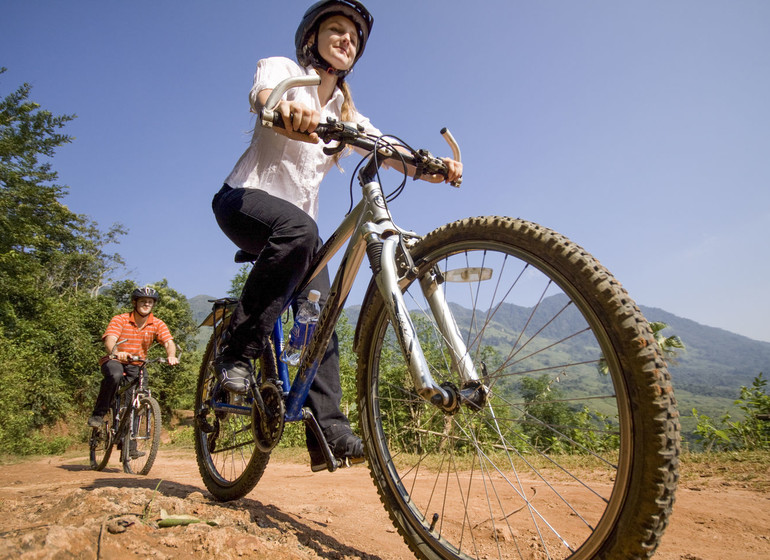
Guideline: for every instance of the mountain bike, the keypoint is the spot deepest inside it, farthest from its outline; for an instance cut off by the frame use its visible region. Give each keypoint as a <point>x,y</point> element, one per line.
<point>513,401</point>
<point>133,424</point>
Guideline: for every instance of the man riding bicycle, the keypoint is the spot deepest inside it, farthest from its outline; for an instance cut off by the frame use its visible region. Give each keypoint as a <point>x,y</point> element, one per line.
<point>128,337</point>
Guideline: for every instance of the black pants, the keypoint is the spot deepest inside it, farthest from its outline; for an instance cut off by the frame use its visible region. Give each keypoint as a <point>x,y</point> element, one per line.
<point>113,372</point>
<point>285,238</point>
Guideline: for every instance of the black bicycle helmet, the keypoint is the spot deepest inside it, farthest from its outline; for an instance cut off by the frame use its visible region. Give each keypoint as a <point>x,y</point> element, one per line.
<point>315,14</point>
<point>144,292</point>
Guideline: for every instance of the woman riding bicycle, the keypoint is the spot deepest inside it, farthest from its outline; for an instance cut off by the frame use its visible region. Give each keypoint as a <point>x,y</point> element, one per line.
<point>269,203</point>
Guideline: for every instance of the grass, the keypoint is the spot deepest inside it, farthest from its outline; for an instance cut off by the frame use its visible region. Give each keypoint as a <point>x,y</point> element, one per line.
<point>748,469</point>
<point>745,469</point>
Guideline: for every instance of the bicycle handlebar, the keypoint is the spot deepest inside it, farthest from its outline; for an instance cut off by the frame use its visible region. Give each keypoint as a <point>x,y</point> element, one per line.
<point>278,91</point>
<point>161,360</point>
<point>352,134</point>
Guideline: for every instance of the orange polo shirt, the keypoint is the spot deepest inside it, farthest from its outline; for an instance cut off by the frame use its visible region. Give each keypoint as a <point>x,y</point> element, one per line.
<point>134,340</point>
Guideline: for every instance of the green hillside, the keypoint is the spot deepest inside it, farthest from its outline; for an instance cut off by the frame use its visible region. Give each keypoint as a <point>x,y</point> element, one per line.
<point>707,376</point>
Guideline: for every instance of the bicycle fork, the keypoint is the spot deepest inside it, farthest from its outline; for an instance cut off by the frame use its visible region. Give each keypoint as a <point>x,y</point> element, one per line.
<point>382,253</point>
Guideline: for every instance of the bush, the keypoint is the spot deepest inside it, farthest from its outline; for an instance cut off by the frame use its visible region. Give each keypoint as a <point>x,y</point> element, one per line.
<point>750,434</point>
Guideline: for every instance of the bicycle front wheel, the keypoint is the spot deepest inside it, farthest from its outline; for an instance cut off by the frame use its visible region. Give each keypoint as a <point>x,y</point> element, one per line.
<point>566,447</point>
<point>100,443</point>
<point>228,459</point>
<point>143,440</point>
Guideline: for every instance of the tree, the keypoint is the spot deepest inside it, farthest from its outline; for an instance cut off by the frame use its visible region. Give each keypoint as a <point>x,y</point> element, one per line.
<point>238,281</point>
<point>545,414</point>
<point>44,247</point>
<point>54,305</point>
<point>33,219</point>
<point>52,262</point>
<point>669,345</point>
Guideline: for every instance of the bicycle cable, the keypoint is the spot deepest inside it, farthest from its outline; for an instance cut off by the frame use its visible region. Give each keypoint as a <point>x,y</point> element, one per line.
<point>382,140</point>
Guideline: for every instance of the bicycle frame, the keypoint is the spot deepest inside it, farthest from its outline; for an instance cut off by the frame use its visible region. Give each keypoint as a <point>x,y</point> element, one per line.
<point>372,232</point>
<point>124,417</point>
<point>369,230</point>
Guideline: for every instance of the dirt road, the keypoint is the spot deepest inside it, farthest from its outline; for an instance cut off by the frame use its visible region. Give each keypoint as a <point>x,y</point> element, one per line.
<point>58,508</point>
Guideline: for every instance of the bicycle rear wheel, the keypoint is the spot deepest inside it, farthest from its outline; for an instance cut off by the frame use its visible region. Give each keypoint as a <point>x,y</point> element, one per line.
<point>144,440</point>
<point>573,450</point>
<point>100,443</point>
<point>228,459</point>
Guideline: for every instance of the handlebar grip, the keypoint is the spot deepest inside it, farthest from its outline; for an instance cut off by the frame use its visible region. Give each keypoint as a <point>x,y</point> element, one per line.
<point>275,119</point>
<point>130,357</point>
<point>271,118</point>
<point>452,144</point>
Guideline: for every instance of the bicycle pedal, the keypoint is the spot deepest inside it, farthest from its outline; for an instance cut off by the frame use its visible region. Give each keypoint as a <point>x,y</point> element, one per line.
<point>344,463</point>
<point>348,462</point>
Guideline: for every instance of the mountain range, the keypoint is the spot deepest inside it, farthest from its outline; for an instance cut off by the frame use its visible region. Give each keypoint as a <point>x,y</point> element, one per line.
<point>707,375</point>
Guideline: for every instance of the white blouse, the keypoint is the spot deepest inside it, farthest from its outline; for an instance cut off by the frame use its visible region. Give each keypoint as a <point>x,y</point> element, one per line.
<point>286,168</point>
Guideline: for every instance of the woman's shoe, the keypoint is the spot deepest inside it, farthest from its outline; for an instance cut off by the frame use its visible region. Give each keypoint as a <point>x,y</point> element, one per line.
<point>234,375</point>
<point>346,447</point>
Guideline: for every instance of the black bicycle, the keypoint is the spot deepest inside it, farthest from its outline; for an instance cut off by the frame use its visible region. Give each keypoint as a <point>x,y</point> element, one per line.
<point>132,423</point>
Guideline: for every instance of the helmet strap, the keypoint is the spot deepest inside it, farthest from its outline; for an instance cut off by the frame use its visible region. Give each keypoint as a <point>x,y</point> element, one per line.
<point>317,61</point>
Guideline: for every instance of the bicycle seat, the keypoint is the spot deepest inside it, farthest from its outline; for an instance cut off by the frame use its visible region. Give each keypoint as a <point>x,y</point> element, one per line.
<point>242,256</point>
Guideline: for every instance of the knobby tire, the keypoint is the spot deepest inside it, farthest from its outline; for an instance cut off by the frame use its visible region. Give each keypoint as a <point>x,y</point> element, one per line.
<point>100,443</point>
<point>574,454</point>
<point>229,462</point>
<point>147,420</point>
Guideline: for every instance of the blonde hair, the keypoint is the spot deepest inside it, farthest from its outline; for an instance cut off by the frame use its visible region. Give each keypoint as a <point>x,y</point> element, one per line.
<point>348,110</point>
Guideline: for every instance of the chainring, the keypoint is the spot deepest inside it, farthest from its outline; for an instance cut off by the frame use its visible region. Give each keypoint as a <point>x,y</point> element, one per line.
<point>267,434</point>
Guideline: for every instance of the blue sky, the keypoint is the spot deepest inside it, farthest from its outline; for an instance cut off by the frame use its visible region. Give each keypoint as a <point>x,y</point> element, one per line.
<point>641,130</point>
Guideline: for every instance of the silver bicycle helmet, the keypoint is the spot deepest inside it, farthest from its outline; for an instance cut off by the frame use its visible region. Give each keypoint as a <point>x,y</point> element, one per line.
<point>315,14</point>
<point>144,292</point>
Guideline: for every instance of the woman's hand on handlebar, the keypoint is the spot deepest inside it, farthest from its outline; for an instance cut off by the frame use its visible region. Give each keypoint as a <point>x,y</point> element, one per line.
<point>299,120</point>
<point>454,172</point>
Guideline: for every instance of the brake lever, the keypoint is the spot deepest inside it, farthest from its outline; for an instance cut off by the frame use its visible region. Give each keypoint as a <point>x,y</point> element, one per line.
<point>335,150</point>
<point>339,131</point>
<point>421,159</point>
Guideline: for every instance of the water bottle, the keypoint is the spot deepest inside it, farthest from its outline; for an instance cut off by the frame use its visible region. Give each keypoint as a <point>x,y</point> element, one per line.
<point>302,331</point>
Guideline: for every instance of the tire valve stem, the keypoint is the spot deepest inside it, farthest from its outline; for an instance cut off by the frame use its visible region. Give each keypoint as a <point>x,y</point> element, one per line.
<point>434,521</point>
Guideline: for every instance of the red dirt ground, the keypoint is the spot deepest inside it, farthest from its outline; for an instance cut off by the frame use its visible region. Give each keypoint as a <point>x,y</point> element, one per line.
<point>56,507</point>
